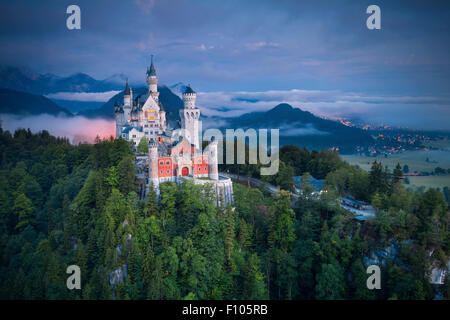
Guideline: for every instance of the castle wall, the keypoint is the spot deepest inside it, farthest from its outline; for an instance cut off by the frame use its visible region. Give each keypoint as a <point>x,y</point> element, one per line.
<point>223,189</point>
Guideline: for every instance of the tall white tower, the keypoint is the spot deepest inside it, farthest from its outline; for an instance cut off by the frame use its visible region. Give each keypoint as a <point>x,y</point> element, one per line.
<point>213,169</point>
<point>120,121</point>
<point>189,116</point>
<point>153,164</point>
<point>152,81</point>
<point>127,102</point>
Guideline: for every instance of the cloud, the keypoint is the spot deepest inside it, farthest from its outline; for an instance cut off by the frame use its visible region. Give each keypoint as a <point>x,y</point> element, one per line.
<point>83,96</point>
<point>76,129</point>
<point>260,45</point>
<point>145,5</point>
<point>213,123</point>
<point>299,129</point>
<point>421,112</point>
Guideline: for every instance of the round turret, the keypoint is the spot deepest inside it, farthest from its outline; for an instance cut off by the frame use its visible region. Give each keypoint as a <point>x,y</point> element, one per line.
<point>127,96</point>
<point>189,97</point>
<point>153,164</point>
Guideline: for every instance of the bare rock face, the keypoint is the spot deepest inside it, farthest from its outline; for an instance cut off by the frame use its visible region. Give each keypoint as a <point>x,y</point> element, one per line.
<point>118,275</point>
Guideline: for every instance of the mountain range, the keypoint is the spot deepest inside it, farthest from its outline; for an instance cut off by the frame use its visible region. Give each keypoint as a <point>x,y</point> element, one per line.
<point>23,103</point>
<point>23,79</point>
<point>22,94</point>
<point>302,128</point>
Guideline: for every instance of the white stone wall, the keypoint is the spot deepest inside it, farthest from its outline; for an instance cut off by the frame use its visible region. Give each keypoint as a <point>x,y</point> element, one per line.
<point>223,189</point>
<point>212,161</point>
<point>190,124</point>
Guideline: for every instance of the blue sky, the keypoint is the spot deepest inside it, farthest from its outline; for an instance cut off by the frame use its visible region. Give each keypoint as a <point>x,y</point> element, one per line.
<point>247,45</point>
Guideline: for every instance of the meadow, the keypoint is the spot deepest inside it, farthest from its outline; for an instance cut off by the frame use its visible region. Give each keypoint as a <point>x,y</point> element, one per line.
<point>416,161</point>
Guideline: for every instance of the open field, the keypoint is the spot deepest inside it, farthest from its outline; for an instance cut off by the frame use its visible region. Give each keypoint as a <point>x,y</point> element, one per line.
<point>430,181</point>
<point>416,161</point>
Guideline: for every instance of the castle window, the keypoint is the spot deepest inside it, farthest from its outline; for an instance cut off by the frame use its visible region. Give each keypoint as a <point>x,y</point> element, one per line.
<point>167,162</point>
<point>160,171</point>
<point>161,163</point>
<point>199,169</point>
<point>168,171</point>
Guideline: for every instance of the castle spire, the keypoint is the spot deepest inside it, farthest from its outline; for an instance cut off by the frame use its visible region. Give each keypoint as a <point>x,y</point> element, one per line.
<point>152,80</point>
<point>127,88</point>
<point>151,72</point>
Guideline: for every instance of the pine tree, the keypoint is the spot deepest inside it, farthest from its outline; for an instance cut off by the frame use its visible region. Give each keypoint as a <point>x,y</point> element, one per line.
<point>281,238</point>
<point>142,147</point>
<point>397,174</point>
<point>151,206</point>
<point>23,209</point>
<point>127,175</point>
<point>376,177</point>
<point>253,282</point>
<point>330,282</point>
<point>229,232</point>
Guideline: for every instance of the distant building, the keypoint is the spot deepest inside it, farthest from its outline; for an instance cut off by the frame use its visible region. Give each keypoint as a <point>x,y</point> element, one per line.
<point>316,184</point>
<point>362,210</point>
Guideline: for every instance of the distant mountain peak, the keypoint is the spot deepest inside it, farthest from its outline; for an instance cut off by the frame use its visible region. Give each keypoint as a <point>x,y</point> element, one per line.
<point>23,103</point>
<point>81,75</point>
<point>178,88</point>
<point>283,107</point>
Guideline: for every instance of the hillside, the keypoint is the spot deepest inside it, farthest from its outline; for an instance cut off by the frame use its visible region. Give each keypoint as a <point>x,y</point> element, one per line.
<point>302,128</point>
<point>22,103</point>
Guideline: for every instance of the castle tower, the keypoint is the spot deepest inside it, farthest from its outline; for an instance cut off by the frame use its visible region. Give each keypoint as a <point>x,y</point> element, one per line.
<point>152,81</point>
<point>162,118</point>
<point>120,121</point>
<point>127,102</point>
<point>153,164</point>
<point>213,170</point>
<point>189,116</point>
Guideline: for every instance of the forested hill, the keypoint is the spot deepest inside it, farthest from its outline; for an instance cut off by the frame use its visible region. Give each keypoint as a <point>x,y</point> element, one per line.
<point>62,204</point>
<point>304,129</point>
<point>22,103</point>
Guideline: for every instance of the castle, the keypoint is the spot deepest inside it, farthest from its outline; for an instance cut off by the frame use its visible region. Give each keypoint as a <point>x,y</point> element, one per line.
<point>170,159</point>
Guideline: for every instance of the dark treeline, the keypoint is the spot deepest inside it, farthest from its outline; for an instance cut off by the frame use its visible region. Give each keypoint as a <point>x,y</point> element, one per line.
<point>62,204</point>
<point>293,161</point>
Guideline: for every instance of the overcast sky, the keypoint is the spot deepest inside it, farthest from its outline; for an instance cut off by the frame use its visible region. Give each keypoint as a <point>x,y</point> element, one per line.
<point>245,45</point>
